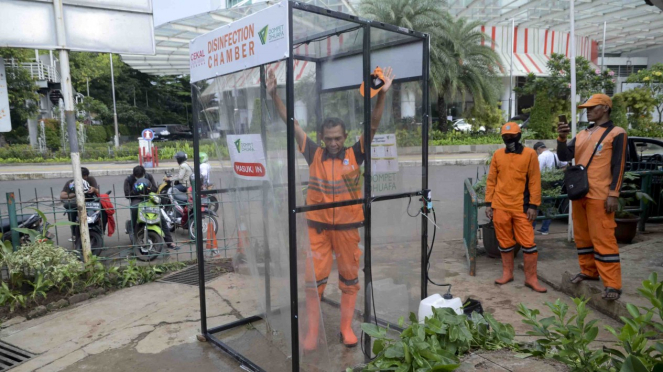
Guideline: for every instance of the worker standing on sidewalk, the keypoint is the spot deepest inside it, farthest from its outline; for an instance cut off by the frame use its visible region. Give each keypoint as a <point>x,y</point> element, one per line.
<point>594,215</point>
<point>334,175</point>
<point>513,194</point>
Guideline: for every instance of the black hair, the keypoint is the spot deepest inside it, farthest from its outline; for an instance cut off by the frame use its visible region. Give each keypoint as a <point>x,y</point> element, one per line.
<point>609,110</point>
<point>139,171</point>
<point>330,123</point>
<point>85,171</point>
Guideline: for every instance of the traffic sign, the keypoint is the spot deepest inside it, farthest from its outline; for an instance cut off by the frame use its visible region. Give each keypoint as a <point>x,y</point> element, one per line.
<point>148,134</point>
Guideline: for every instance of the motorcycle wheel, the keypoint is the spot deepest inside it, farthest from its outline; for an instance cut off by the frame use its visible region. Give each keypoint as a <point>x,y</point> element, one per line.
<point>207,219</point>
<point>213,203</point>
<point>153,248</point>
<point>96,243</point>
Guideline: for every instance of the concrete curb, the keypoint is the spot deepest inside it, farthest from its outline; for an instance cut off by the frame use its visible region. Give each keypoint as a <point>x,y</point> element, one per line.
<point>613,309</point>
<point>127,171</point>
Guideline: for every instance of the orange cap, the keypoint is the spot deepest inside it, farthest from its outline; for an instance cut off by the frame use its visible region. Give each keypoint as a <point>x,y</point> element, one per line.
<point>510,128</point>
<point>376,85</point>
<point>597,99</point>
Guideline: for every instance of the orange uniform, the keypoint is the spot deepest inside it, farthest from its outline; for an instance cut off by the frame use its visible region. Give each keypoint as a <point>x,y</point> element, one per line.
<point>593,227</point>
<point>512,188</point>
<point>334,178</point>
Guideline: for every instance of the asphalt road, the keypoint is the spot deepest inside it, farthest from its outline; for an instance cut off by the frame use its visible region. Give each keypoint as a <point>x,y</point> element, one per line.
<point>389,223</point>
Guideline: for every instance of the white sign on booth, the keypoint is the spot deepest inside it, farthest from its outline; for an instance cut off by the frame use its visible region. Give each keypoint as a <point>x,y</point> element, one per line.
<point>248,42</point>
<point>5,121</point>
<point>247,156</point>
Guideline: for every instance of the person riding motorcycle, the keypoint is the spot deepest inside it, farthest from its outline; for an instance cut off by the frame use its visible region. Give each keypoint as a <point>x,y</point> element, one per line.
<point>205,170</point>
<point>181,179</point>
<point>139,190</point>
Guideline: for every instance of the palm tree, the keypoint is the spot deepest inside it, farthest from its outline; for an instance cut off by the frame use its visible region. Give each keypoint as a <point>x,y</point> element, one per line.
<point>459,63</point>
<point>464,66</point>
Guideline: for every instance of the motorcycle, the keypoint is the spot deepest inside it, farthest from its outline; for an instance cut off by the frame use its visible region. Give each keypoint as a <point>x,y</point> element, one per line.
<point>180,213</point>
<point>96,224</point>
<point>32,222</point>
<point>148,236</point>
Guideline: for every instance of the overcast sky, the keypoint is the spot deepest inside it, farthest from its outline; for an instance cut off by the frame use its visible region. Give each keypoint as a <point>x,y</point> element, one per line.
<point>169,10</point>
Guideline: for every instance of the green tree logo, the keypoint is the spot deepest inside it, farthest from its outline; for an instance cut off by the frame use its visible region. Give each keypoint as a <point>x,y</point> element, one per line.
<point>263,34</point>
<point>238,143</point>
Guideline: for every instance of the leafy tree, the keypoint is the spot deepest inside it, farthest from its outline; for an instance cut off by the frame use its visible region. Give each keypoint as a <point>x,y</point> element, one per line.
<point>94,108</point>
<point>557,87</point>
<point>618,114</point>
<point>652,79</point>
<point>459,63</point>
<point>640,103</point>
<point>490,116</point>
<point>541,117</point>
<point>22,93</point>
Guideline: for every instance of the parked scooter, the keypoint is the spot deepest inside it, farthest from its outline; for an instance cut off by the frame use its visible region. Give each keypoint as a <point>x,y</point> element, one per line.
<point>148,236</point>
<point>96,224</point>
<point>180,213</point>
<point>32,222</point>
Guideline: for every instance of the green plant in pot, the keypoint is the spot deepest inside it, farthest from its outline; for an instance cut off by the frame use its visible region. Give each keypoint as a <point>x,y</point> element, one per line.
<point>627,222</point>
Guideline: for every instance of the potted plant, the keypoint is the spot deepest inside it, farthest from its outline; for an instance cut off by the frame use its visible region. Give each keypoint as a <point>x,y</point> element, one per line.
<point>627,222</point>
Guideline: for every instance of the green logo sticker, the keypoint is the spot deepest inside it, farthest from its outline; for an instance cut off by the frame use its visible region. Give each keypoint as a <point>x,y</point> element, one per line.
<point>238,144</point>
<point>263,34</point>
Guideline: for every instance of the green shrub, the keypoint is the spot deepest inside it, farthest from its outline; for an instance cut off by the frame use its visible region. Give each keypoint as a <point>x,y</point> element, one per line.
<point>52,132</point>
<point>541,118</point>
<point>96,134</point>
<point>618,114</point>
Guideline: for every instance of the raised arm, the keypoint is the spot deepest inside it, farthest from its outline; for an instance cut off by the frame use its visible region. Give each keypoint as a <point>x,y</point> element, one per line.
<point>300,135</point>
<point>376,115</point>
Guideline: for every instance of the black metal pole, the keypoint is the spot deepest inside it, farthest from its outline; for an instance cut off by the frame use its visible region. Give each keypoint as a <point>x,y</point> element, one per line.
<point>318,101</point>
<point>368,285</point>
<point>197,215</point>
<point>424,166</point>
<point>292,201</point>
<point>265,191</point>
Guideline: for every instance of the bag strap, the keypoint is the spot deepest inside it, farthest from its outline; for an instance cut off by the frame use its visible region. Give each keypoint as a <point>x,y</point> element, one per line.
<point>598,144</point>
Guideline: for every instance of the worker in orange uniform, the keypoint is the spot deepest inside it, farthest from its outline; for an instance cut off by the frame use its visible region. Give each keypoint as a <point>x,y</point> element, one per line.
<point>513,194</point>
<point>594,215</point>
<point>334,175</point>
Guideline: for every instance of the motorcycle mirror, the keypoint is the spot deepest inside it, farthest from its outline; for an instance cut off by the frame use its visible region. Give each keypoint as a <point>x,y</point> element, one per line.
<point>109,192</point>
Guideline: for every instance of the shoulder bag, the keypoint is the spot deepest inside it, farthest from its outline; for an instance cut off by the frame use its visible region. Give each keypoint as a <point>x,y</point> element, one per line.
<point>575,178</point>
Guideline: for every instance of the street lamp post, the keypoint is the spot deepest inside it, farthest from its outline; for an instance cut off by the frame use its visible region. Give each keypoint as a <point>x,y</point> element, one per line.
<point>117,134</point>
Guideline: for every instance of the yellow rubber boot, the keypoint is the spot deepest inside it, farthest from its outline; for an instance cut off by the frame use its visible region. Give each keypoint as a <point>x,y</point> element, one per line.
<point>531,280</point>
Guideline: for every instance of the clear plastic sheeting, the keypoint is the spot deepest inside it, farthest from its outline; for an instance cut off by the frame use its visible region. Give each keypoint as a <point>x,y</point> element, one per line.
<point>338,216</point>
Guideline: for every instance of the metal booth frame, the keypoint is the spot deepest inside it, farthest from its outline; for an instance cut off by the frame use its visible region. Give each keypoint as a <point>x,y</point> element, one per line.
<point>366,200</point>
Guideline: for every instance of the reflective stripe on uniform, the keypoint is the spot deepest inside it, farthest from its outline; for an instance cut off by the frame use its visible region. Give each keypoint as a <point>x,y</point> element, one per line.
<point>506,250</point>
<point>588,250</point>
<point>530,250</point>
<point>606,257</point>
<point>348,282</point>
<point>322,281</point>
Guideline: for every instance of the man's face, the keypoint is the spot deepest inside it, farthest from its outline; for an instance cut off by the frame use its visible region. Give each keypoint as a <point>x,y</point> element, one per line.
<point>540,150</point>
<point>85,177</point>
<point>334,138</point>
<point>596,112</point>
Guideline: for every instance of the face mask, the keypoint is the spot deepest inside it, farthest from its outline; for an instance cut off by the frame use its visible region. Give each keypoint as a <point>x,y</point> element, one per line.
<point>511,143</point>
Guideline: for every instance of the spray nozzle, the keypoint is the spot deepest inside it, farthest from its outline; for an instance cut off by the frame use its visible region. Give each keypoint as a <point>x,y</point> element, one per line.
<point>427,200</point>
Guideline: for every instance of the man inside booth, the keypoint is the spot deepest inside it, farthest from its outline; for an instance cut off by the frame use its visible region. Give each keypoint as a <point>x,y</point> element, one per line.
<point>335,175</point>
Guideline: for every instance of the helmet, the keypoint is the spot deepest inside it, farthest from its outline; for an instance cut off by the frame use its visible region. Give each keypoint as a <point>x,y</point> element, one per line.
<point>86,187</point>
<point>180,157</point>
<point>142,186</point>
<point>203,157</point>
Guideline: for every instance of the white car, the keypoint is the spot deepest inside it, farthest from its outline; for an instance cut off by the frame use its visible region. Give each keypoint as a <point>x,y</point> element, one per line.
<point>463,126</point>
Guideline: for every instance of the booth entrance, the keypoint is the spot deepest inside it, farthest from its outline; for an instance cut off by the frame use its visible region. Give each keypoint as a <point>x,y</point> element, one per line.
<point>323,224</point>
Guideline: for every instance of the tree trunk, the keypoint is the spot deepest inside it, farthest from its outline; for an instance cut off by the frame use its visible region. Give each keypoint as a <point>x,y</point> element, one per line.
<point>443,124</point>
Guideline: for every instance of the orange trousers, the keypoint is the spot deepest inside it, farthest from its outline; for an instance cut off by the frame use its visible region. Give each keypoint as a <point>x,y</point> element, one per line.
<point>594,232</point>
<point>512,227</point>
<point>345,245</point>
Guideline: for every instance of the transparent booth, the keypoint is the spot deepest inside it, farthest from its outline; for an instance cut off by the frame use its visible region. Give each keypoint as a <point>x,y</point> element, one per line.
<point>318,120</point>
